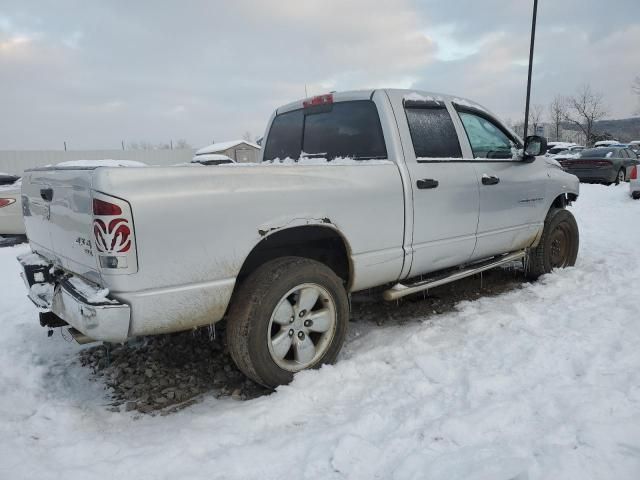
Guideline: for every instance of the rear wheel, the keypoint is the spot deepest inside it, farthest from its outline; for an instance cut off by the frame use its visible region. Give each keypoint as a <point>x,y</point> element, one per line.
<point>558,247</point>
<point>620,177</point>
<point>289,315</point>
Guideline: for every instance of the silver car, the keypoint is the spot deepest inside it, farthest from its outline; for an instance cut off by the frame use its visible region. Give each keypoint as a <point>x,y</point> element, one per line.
<point>11,222</point>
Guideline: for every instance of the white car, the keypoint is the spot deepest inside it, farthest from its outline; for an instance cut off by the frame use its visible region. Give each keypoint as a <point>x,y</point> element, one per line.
<point>634,183</point>
<point>563,147</point>
<point>212,159</point>
<point>11,209</point>
<point>605,143</point>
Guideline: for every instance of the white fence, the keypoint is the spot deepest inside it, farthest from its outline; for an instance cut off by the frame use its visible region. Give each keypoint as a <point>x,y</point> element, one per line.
<point>17,161</point>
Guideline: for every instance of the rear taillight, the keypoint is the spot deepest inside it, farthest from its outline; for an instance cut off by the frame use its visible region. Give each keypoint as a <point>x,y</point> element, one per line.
<point>318,100</point>
<point>113,235</point>
<point>634,173</point>
<point>100,207</point>
<point>5,202</point>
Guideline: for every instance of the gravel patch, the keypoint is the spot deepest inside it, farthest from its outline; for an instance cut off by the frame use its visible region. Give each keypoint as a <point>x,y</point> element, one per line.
<point>165,373</point>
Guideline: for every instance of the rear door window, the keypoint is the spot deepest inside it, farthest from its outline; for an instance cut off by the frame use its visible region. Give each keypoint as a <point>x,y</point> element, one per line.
<point>344,129</point>
<point>432,133</point>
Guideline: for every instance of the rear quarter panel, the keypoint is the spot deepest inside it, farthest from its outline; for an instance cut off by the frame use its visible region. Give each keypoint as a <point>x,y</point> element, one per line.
<point>195,226</point>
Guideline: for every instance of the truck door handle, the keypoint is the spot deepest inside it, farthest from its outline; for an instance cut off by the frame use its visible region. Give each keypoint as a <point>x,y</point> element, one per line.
<point>46,194</point>
<point>427,183</point>
<point>490,180</point>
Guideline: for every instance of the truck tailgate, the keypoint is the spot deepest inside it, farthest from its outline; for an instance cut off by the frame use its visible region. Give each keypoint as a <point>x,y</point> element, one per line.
<point>57,208</point>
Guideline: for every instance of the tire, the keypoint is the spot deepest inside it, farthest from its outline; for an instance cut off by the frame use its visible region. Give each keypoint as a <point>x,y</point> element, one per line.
<point>558,247</point>
<point>620,176</point>
<point>272,302</point>
<point>636,195</point>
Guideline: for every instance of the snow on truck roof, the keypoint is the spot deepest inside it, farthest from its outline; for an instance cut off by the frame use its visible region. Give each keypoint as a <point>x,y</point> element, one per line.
<point>222,146</point>
<point>405,94</point>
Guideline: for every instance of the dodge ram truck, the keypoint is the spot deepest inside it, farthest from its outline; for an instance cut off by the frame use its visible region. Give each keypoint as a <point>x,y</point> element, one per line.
<point>396,189</point>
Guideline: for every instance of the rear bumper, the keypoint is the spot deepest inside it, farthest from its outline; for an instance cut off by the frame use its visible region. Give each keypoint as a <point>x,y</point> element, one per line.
<point>75,301</point>
<point>596,175</point>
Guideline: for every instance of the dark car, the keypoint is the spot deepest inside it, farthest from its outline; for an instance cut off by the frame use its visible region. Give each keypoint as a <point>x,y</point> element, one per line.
<point>601,165</point>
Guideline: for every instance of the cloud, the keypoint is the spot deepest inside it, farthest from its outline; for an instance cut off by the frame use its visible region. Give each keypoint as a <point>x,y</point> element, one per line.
<point>101,72</point>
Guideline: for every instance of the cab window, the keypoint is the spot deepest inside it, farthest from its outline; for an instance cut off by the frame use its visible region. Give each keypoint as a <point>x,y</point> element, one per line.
<point>486,138</point>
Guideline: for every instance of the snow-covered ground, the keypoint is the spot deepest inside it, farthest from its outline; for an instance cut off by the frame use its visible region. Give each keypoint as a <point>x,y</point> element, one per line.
<point>542,382</point>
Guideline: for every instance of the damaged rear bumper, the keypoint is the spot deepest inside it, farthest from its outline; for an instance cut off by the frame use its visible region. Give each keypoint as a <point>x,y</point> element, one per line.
<point>71,299</point>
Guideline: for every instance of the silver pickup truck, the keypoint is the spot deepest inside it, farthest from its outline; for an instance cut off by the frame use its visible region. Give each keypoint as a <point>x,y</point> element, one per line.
<point>396,189</point>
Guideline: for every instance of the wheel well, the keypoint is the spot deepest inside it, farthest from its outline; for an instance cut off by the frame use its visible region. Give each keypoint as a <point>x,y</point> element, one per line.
<point>322,244</point>
<point>564,200</point>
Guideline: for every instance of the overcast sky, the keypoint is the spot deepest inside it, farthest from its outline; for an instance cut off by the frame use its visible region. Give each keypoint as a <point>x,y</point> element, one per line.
<point>97,73</point>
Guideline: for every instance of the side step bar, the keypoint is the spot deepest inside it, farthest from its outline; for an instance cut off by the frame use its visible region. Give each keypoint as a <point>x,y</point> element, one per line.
<point>399,290</point>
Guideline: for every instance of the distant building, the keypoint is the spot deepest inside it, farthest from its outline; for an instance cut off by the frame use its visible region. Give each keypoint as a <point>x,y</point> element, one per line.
<point>239,150</point>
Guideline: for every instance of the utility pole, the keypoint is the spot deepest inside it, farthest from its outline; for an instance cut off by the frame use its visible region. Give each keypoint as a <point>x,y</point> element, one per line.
<point>533,39</point>
<point>65,145</point>
<point>122,142</point>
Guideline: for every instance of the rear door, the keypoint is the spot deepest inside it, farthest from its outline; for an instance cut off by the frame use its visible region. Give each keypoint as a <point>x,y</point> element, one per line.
<point>512,191</point>
<point>445,189</point>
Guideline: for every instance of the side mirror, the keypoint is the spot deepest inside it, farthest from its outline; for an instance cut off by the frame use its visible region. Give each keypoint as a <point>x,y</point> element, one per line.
<point>534,146</point>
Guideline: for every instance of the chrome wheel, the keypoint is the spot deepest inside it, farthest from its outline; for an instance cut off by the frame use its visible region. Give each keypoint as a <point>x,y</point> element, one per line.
<point>301,327</point>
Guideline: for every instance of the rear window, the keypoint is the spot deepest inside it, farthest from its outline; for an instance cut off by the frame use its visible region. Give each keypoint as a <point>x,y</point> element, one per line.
<point>597,153</point>
<point>285,137</point>
<point>432,133</point>
<point>344,129</point>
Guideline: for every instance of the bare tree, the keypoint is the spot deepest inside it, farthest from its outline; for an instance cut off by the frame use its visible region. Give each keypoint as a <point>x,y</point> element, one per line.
<point>535,116</point>
<point>586,108</point>
<point>247,136</point>
<point>557,114</point>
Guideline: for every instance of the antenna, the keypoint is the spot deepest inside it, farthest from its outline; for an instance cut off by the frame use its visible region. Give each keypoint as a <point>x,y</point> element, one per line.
<point>533,39</point>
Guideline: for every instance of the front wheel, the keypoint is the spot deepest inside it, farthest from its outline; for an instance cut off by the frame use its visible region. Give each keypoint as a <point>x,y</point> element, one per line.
<point>289,315</point>
<point>558,247</point>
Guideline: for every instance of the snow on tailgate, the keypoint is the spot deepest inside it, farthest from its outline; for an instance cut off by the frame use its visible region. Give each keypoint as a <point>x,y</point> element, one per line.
<point>539,383</point>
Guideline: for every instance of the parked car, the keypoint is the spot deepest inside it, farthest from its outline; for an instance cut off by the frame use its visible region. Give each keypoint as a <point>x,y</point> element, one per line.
<point>378,188</point>
<point>635,146</point>
<point>601,165</point>
<point>212,159</point>
<point>11,209</point>
<point>606,143</point>
<point>634,182</point>
<point>561,147</point>
<point>8,179</point>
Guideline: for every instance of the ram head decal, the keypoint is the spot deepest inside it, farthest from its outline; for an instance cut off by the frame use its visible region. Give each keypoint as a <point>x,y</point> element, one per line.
<point>112,237</point>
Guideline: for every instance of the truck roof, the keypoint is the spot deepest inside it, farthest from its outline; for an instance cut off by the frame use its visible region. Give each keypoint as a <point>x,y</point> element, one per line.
<point>410,94</point>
